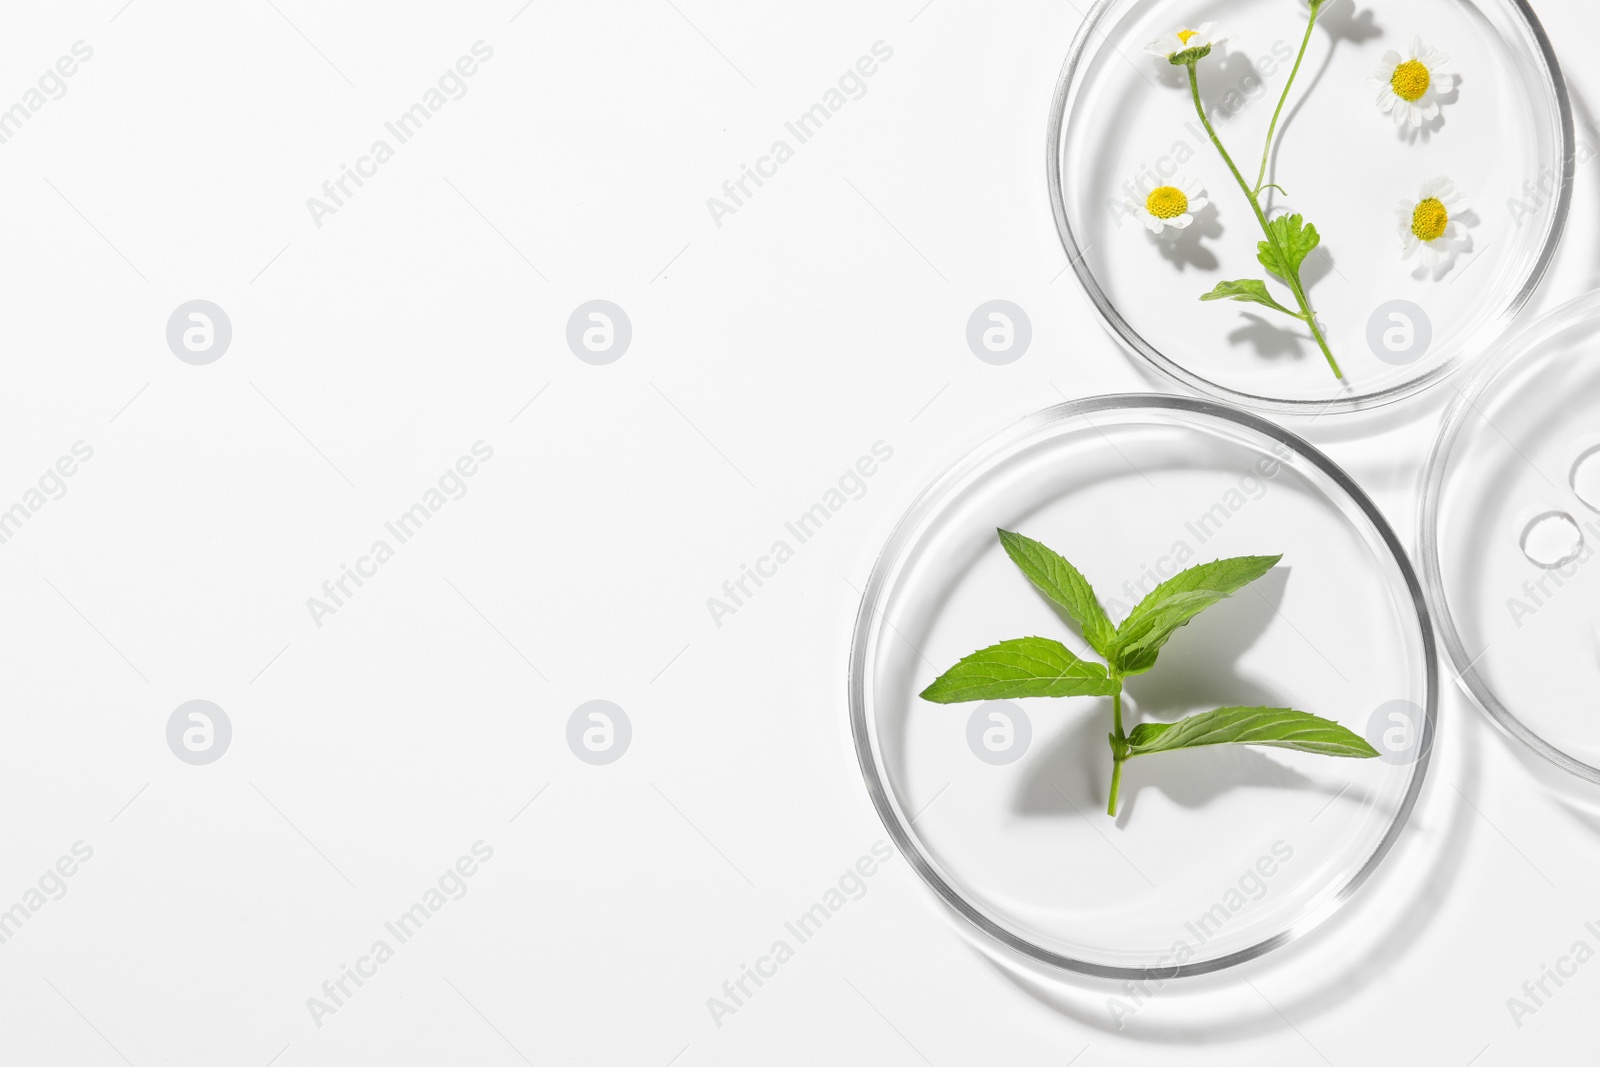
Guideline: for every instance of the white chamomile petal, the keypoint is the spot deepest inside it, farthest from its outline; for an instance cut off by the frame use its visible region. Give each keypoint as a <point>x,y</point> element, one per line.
<point>1445,191</point>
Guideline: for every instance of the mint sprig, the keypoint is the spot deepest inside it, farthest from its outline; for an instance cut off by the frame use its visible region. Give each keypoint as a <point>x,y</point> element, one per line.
<point>1041,667</point>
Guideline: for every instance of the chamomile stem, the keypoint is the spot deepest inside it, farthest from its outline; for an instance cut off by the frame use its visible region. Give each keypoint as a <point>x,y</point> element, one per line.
<point>1266,153</point>
<point>1292,280</point>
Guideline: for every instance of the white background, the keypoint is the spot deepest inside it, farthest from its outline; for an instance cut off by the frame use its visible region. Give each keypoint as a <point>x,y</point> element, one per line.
<point>768,354</point>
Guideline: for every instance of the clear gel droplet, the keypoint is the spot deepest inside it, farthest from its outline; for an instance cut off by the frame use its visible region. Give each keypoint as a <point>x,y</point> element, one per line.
<point>1552,539</point>
<point>1585,477</point>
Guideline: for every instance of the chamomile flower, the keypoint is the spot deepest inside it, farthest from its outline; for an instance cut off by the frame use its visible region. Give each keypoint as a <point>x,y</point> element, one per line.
<point>1169,206</point>
<point>1199,40</point>
<point>1409,86</point>
<point>1432,223</point>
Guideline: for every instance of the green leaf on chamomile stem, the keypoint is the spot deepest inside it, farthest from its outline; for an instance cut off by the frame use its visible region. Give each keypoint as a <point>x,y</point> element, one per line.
<point>1296,237</point>
<point>1176,601</point>
<point>1062,583</point>
<point>1277,727</point>
<point>1023,667</point>
<point>1248,290</point>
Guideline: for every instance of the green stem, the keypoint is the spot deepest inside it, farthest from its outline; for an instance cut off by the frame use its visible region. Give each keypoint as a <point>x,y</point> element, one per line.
<point>1266,152</point>
<point>1293,280</point>
<point>1118,749</point>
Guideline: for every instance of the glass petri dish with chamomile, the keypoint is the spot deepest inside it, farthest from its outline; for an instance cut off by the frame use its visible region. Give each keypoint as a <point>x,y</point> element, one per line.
<point>1309,208</point>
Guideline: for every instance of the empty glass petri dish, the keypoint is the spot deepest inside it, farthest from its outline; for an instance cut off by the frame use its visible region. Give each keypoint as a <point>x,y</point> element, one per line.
<point>1510,528</point>
<point>1123,123</point>
<point>1217,854</point>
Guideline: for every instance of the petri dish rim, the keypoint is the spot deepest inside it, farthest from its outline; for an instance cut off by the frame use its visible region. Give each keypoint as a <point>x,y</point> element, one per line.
<point>903,537</point>
<point>1135,345</point>
<point>1500,358</point>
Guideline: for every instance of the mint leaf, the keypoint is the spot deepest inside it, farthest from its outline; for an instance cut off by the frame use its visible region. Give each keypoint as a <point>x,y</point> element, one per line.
<point>1062,583</point>
<point>1174,602</point>
<point>1295,237</point>
<point>1277,727</point>
<point>1139,640</point>
<point>1024,667</point>
<point>1247,290</point>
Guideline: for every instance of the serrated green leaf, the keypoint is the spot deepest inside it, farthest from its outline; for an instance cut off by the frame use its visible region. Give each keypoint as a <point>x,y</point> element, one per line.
<point>1176,601</point>
<point>1248,290</point>
<point>1277,727</point>
<point>1137,645</point>
<point>1295,237</point>
<point>1023,667</point>
<point>1062,583</point>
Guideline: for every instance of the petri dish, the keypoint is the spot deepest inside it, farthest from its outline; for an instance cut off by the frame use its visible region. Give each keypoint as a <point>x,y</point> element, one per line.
<point>1123,121</point>
<point>1217,855</point>
<point>1509,529</point>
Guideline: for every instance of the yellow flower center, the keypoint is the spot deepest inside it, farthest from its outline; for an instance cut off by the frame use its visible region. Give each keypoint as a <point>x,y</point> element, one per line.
<point>1429,219</point>
<point>1184,35</point>
<point>1166,202</point>
<point>1410,80</point>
